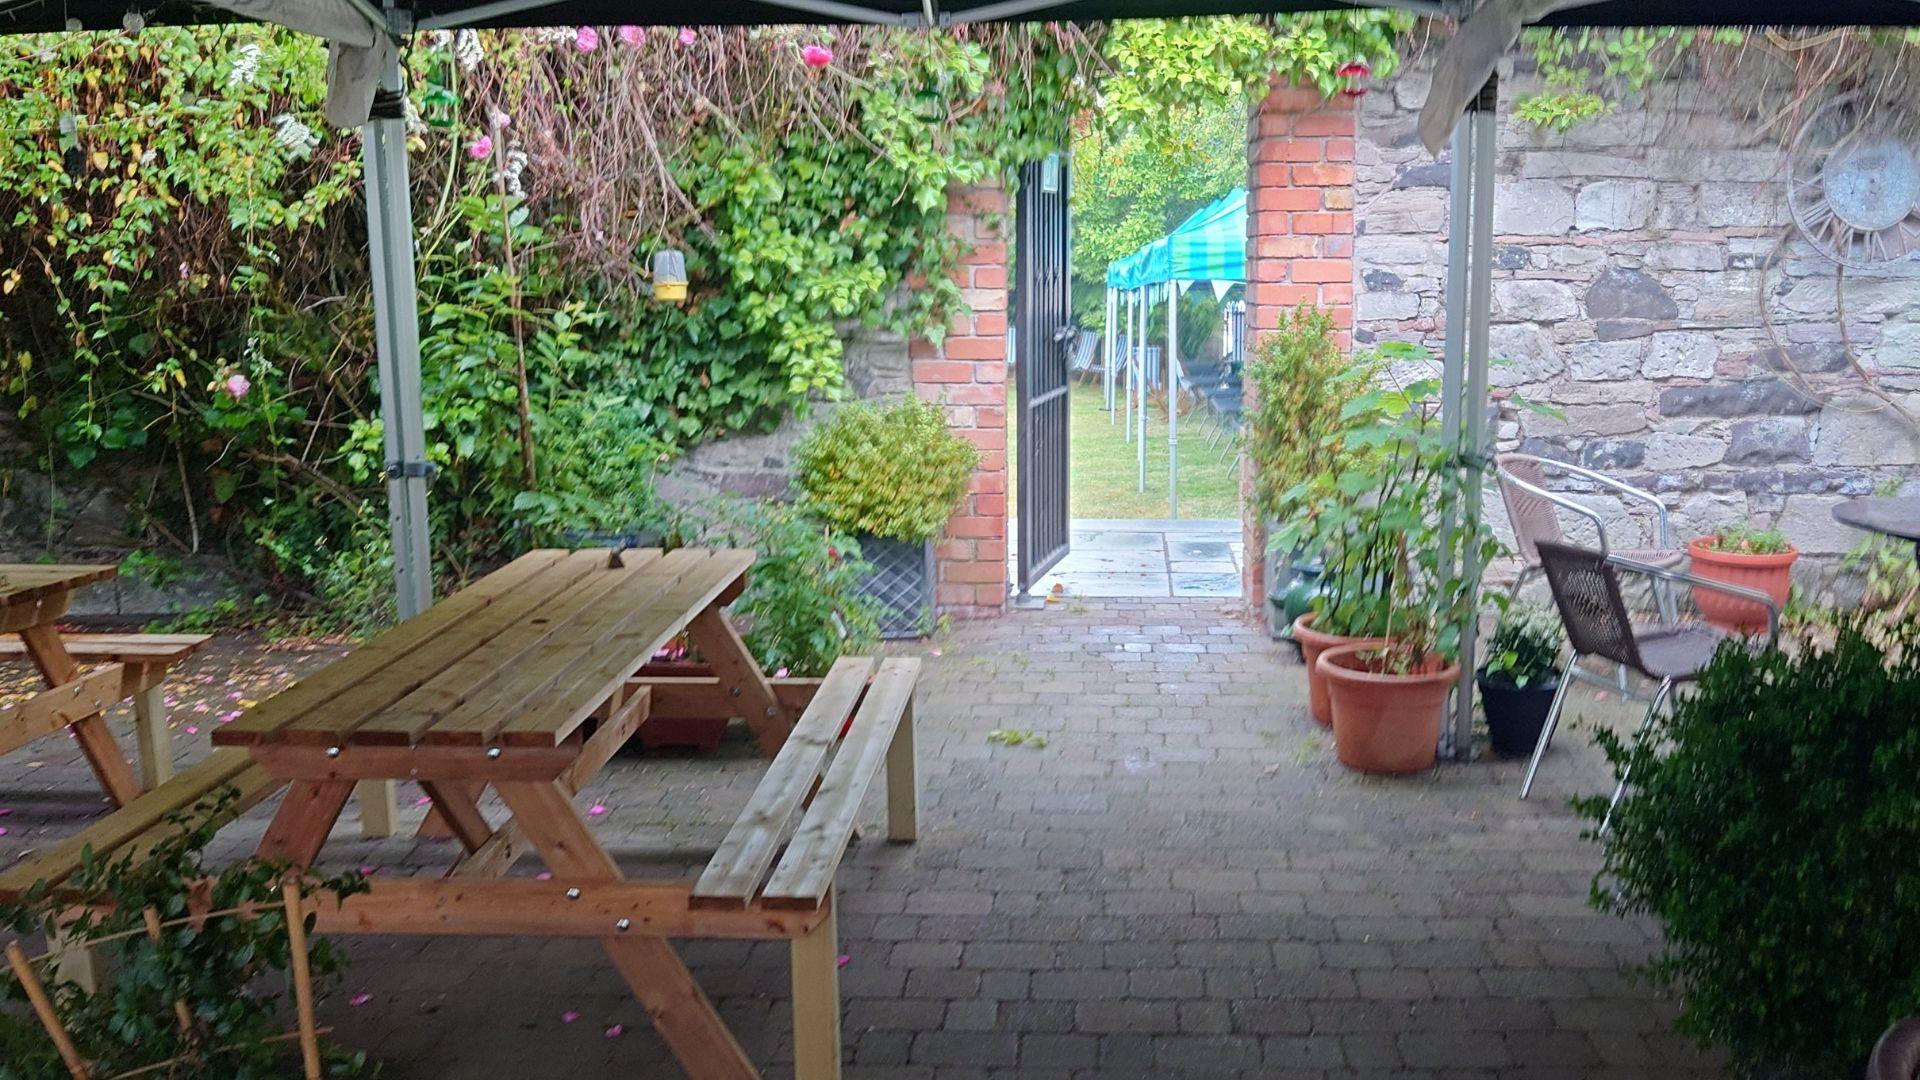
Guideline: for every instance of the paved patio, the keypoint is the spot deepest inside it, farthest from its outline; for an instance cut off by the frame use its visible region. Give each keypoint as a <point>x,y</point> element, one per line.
<point>1144,558</point>
<point>1182,882</point>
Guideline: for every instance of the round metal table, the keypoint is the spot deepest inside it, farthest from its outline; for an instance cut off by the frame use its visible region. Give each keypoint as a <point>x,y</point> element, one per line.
<point>1888,515</point>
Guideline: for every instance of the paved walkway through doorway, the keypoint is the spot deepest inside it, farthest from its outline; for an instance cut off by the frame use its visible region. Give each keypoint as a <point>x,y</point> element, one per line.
<point>1144,558</point>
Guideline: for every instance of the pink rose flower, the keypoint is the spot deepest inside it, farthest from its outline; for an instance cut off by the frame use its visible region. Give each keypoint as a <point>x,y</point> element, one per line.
<point>479,148</point>
<point>687,36</point>
<point>237,386</point>
<point>497,119</point>
<point>632,36</point>
<point>816,56</point>
<point>586,39</point>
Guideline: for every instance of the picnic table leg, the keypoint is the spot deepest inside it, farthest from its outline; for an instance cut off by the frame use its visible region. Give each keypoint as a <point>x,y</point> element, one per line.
<point>154,740</point>
<point>457,806</point>
<point>58,668</point>
<point>680,1010</point>
<point>740,675</point>
<point>816,1000</point>
<point>903,782</point>
<point>378,808</point>
<point>305,817</point>
<point>435,825</point>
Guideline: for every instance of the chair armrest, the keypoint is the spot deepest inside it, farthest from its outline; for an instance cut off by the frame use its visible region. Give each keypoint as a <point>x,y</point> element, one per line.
<point>1683,577</point>
<point>1662,535</point>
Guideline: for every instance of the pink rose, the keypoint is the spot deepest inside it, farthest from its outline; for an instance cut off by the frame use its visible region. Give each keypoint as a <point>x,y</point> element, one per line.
<point>586,39</point>
<point>687,36</point>
<point>237,386</point>
<point>632,36</point>
<point>479,148</point>
<point>816,56</point>
<point>497,119</point>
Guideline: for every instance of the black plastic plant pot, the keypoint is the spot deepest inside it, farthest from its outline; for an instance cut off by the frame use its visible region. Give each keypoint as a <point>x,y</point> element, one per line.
<point>1515,714</point>
<point>899,580</point>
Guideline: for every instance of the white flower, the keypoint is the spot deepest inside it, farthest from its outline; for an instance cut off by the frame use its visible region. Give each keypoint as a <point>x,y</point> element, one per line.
<point>467,50</point>
<point>553,35</point>
<point>416,125</point>
<point>512,164</point>
<point>246,64</point>
<point>298,139</point>
<point>438,39</point>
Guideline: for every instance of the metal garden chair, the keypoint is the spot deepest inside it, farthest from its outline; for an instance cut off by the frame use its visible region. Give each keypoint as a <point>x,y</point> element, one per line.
<point>1671,653</point>
<point>1534,511</point>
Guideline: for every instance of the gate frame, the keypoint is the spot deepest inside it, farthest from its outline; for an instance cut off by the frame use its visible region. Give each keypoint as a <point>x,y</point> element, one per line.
<point>1038,210</point>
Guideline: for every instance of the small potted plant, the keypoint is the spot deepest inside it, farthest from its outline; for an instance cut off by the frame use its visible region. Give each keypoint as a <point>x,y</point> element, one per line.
<point>889,475</point>
<point>1520,677</point>
<point>1748,557</point>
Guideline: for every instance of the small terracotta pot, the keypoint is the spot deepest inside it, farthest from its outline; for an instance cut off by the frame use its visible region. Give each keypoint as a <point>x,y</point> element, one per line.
<point>1385,723</point>
<point>1770,574</point>
<point>1312,644</point>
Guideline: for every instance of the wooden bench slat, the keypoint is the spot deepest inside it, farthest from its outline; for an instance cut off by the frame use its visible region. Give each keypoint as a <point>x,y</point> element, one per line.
<point>119,648</point>
<point>736,869</point>
<point>55,708</point>
<point>402,723</point>
<point>806,871</point>
<point>535,571</point>
<point>142,816</point>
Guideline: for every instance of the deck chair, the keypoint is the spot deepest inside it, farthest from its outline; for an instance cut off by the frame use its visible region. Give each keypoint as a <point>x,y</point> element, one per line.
<point>1082,366</point>
<point>1671,653</point>
<point>1534,511</point>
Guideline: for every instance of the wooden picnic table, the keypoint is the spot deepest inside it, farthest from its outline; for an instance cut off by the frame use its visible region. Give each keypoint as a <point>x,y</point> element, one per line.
<point>498,685</point>
<point>33,598</point>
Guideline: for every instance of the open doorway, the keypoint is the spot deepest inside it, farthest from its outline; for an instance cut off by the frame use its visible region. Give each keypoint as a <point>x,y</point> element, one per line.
<point>1148,485</point>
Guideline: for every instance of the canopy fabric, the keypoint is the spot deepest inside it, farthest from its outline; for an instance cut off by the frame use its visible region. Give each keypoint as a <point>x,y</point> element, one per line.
<point>1210,245</point>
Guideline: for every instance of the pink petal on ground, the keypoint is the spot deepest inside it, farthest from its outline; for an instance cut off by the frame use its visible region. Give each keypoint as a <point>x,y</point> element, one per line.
<point>544,875</point>
<point>4,811</point>
<point>3,831</point>
<point>369,871</point>
<point>616,1031</point>
<point>596,810</point>
<point>422,801</point>
<point>233,695</point>
<point>358,1000</point>
<point>933,652</point>
<point>569,1016</point>
<point>191,730</point>
<point>843,960</point>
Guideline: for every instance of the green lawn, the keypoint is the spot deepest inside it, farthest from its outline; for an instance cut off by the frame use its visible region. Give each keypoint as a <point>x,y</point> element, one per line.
<point>1105,480</point>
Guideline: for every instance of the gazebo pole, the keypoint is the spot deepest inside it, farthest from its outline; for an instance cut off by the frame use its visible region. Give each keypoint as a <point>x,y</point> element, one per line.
<point>1173,399</point>
<point>1463,405</point>
<point>1106,358</point>
<point>1146,385</point>
<point>1133,382</point>
<point>396,322</point>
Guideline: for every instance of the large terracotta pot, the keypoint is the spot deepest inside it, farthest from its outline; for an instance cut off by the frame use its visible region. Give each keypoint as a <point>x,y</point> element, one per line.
<point>1312,644</point>
<point>1385,723</point>
<point>1770,574</point>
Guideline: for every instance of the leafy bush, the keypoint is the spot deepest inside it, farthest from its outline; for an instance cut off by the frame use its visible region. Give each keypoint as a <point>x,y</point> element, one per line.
<point>1770,828</point>
<point>1744,539</point>
<point>215,967</point>
<point>1302,384</point>
<point>1524,647</point>
<point>803,606</point>
<point>893,471</point>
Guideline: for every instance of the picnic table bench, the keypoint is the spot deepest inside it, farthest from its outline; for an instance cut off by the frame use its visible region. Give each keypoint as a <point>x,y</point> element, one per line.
<point>528,681</point>
<point>33,598</point>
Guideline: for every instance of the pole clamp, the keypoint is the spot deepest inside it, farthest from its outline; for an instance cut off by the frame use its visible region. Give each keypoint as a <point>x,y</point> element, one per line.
<point>410,470</point>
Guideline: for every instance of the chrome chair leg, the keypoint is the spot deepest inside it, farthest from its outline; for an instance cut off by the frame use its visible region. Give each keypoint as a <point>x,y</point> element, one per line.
<point>1653,710</point>
<point>1546,729</point>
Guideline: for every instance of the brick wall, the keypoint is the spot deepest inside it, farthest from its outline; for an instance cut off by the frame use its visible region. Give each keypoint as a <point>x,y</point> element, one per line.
<point>1300,149</point>
<point>967,374</point>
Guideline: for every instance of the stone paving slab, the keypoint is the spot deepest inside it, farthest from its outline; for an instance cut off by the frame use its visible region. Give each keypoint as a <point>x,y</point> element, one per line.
<point>1181,883</point>
<point>1146,558</point>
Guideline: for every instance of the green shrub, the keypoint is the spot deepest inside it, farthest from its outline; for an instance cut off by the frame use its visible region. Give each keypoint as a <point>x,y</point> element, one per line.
<point>1771,827</point>
<point>803,607</point>
<point>894,472</point>
<point>1302,384</point>
<point>1746,540</point>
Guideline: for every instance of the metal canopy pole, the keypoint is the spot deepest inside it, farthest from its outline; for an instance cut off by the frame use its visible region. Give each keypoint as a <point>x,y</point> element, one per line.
<point>1106,358</point>
<point>1146,384</point>
<point>1133,378</point>
<point>1173,399</point>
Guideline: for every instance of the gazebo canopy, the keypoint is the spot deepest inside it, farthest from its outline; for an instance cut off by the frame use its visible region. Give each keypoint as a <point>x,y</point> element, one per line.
<point>1210,245</point>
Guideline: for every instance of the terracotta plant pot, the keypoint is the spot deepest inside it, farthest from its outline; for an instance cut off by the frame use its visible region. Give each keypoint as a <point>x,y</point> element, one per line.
<point>1312,644</point>
<point>1770,574</point>
<point>1383,722</point>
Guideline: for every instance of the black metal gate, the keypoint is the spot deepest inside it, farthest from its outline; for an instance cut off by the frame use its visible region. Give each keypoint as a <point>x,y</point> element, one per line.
<point>1043,342</point>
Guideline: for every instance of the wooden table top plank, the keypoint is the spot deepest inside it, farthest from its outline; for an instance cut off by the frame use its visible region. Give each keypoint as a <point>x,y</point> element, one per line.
<point>25,583</point>
<point>568,699</point>
<point>403,722</point>
<point>335,722</point>
<point>738,866</point>
<point>395,645</point>
<point>475,722</point>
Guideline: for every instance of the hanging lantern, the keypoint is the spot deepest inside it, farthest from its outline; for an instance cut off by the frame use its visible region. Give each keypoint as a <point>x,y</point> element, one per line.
<point>670,277</point>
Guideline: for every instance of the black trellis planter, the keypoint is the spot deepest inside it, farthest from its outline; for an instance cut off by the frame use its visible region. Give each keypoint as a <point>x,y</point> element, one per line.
<point>899,580</point>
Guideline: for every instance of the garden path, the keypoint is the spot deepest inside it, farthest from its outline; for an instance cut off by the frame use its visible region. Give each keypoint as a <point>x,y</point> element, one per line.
<point>1145,558</point>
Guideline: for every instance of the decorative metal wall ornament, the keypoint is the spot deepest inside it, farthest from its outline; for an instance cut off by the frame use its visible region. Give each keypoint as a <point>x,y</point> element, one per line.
<point>1853,182</point>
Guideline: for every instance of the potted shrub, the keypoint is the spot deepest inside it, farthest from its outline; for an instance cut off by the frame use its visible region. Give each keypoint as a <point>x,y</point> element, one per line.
<point>1520,677</point>
<point>1752,558</point>
<point>890,476</point>
<point>1389,523</point>
<point>1770,827</point>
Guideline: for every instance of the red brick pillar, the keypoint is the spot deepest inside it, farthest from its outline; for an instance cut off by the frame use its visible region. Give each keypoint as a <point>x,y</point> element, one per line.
<point>1299,240</point>
<point>967,374</point>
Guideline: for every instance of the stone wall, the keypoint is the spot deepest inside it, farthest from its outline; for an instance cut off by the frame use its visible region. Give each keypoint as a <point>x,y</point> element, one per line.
<point>1632,290</point>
